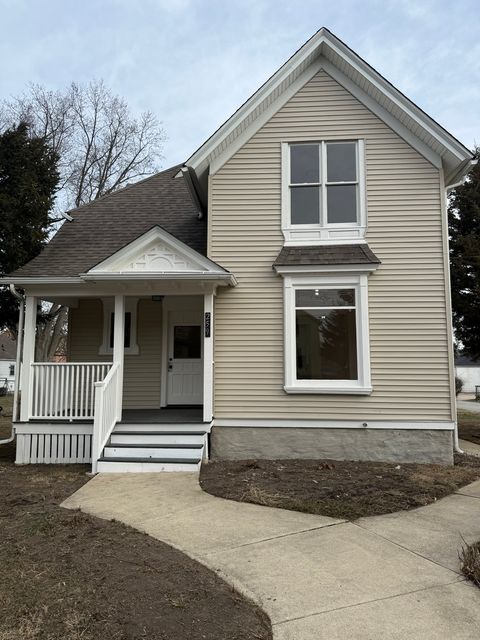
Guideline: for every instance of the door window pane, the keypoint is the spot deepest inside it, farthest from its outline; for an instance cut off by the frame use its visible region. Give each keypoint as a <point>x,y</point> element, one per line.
<point>187,341</point>
<point>304,163</point>
<point>342,203</point>
<point>325,297</point>
<point>326,344</point>
<point>341,162</point>
<point>305,205</point>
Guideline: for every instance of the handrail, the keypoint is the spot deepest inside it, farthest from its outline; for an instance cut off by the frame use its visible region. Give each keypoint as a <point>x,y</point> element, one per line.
<point>105,415</point>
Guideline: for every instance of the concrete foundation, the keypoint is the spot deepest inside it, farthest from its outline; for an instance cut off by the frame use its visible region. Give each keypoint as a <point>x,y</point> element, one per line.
<point>388,445</point>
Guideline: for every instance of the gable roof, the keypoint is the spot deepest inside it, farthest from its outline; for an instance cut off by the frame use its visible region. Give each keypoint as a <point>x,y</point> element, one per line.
<point>108,224</point>
<point>325,51</point>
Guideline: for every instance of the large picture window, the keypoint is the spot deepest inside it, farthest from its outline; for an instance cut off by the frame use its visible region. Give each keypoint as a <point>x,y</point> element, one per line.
<point>323,190</point>
<point>326,334</point>
<point>326,338</point>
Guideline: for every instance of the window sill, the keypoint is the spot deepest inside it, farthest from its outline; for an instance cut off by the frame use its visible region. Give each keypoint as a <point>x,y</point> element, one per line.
<point>340,390</point>
<point>128,351</point>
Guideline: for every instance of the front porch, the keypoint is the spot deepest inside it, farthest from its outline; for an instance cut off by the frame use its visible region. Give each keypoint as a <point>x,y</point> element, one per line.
<point>149,374</point>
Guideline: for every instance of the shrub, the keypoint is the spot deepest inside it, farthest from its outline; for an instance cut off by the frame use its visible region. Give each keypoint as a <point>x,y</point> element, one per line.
<point>458,385</point>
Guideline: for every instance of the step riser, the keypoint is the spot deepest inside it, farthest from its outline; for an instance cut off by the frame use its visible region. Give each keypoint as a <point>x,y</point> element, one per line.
<point>146,467</point>
<point>162,427</point>
<point>151,452</point>
<point>157,440</point>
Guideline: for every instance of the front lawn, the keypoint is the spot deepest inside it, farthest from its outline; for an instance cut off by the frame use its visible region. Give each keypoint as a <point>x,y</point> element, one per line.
<point>65,575</point>
<point>469,426</point>
<point>340,489</point>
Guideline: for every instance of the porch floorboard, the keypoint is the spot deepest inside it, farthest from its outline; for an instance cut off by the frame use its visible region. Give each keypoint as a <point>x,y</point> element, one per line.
<point>168,415</point>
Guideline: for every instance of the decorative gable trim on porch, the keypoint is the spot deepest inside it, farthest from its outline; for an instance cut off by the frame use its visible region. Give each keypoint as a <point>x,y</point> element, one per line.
<point>158,255</point>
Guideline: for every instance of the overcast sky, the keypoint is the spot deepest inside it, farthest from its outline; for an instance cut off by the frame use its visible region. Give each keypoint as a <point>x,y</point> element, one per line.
<point>193,62</point>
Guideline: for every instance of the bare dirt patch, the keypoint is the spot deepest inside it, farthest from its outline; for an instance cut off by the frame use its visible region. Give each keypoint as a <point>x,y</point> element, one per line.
<point>469,426</point>
<point>340,489</point>
<point>66,575</point>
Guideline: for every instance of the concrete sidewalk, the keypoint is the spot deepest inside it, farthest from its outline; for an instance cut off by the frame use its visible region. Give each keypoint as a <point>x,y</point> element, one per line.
<point>389,577</point>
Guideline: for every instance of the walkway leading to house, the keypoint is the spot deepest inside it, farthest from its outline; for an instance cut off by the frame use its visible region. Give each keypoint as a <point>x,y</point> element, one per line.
<point>468,405</point>
<point>395,576</point>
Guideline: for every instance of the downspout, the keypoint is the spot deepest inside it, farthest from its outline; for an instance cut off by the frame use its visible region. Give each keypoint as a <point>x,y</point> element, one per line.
<point>17,361</point>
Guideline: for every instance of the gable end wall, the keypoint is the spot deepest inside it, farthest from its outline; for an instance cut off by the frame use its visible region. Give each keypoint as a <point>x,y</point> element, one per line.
<point>407,295</point>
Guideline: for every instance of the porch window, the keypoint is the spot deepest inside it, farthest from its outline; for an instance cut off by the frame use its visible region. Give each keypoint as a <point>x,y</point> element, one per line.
<point>130,339</point>
<point>326,341</point>
<point>323,195</point>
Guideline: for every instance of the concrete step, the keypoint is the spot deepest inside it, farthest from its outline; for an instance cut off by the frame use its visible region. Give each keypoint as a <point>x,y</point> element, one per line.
<point>143,465</point>
<point>157,438</point>
<point>187,452</point>
<point>157,427</point>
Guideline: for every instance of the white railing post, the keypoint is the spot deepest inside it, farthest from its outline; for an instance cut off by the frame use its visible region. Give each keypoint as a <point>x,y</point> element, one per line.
<point>97,421</point>
<point>28,357</point>
<point>208,364</point>
<point>118,349</point>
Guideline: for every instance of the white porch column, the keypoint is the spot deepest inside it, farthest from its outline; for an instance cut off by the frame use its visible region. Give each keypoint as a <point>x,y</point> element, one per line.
<point>118,347</point>
<point>28,356</point>
<point>208,363</point>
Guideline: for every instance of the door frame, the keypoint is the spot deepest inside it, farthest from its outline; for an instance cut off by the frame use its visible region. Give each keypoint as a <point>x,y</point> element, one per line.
<point>190,303</point>
<point>188,318</point>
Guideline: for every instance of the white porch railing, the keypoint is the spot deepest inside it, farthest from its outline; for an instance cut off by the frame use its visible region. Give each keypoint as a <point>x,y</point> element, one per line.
<point>65,390</point>
<point>106,412</point>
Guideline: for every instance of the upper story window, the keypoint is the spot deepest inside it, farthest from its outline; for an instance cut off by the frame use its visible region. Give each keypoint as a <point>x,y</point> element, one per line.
<point>323,191</point>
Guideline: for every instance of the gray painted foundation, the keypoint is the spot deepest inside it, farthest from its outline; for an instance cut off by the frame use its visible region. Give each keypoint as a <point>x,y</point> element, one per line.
<point>388,445</point>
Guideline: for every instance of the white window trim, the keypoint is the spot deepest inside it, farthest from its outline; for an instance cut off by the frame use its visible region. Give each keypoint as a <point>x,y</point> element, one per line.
<point>359,282</point>
<point>318,234</point>
<point>131,305</point>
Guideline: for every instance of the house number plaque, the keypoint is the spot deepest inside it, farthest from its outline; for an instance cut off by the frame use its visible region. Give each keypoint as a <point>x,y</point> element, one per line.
<point>207,324</point>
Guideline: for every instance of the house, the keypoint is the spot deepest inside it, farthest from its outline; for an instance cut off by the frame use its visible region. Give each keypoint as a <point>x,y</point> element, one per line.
<point>468,370</point>
<point>8,353</point>
<point>282,293</point>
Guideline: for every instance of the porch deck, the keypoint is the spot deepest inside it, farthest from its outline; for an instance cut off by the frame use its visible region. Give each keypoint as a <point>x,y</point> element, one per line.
<point>168,415</point>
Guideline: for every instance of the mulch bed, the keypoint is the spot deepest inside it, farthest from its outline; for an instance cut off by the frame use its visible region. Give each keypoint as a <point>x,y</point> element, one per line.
<point>66,575</point>
<point>469,426</point>
<point>340,489</point>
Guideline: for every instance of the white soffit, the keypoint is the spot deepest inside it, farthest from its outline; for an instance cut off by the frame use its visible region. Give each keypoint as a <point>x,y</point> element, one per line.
<point>326,51</point>
<point>157,252</point>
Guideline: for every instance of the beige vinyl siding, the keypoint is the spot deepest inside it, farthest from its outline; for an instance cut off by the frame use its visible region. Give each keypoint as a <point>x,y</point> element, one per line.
<point>407,309</point>
<point>141,386</point>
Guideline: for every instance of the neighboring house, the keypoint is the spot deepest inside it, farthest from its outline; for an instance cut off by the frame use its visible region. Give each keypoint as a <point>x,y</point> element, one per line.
<point>8,354</point>
<point>468,370</point>
<point>283,293</point>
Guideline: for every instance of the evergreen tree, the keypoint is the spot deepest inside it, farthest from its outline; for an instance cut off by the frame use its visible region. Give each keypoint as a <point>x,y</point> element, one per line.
<point>28,182</point>
<point>464,229</point>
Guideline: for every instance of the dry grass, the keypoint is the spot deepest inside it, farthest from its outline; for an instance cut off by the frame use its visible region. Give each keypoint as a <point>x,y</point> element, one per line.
<point>339,489</point>
<point>469,426</point>
<point>470,562</point>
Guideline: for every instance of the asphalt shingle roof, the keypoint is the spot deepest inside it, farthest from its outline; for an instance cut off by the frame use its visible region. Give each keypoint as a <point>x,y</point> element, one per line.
<point>336,254</point>
<point>104,226</point>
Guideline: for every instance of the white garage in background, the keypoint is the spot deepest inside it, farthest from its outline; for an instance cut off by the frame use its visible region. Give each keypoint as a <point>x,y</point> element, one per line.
<point>468,370</point>
<point>8,349</point>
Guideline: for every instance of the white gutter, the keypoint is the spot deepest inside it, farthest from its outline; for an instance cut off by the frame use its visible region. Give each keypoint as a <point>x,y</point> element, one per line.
<point>17,361</point>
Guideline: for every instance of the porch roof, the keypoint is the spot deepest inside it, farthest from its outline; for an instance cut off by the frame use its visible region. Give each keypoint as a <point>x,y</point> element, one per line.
<point>104,226</point>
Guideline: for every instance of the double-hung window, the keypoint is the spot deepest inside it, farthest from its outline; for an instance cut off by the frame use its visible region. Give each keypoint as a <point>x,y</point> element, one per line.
<point>326,339</point>
<point>323,190</point>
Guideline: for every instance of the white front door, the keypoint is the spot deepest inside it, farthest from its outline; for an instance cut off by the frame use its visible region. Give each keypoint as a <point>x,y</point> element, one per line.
<point>185,358</point>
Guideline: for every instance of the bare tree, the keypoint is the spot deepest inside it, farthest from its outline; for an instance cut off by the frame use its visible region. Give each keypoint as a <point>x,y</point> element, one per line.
<point>101,147</point>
